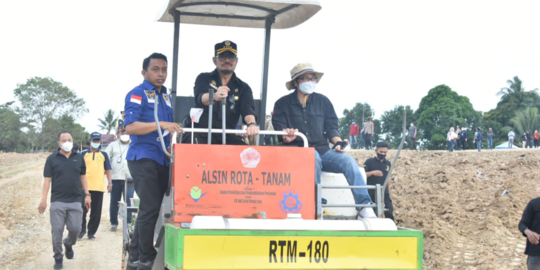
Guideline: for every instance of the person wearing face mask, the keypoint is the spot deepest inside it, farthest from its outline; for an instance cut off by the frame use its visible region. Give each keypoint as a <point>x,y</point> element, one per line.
<point>236,93</point>
<point>97,166</point>
<point>377,169</point>
<point>313,114</point>
<point>65,175</point>
<point>117,152</point>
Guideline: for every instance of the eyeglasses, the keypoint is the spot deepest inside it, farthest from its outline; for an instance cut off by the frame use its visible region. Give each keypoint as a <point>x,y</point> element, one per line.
<point>303,79</point>
<point>222,57</point>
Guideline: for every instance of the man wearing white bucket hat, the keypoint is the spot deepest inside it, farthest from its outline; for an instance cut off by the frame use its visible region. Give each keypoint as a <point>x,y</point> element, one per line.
<point>313,114</point>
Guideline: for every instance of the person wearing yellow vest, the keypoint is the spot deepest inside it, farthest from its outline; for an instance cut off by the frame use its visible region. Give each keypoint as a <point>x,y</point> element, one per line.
<point>97,166</point>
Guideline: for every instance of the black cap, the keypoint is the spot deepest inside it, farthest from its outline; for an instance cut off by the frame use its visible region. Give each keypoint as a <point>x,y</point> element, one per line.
<point>225,46</point>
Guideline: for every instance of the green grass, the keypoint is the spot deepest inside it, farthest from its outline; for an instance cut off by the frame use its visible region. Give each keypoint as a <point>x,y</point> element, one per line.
<point>13,173</point>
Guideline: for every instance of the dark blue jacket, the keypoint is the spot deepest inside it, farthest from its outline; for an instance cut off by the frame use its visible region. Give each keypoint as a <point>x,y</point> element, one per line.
<point>462,135</point>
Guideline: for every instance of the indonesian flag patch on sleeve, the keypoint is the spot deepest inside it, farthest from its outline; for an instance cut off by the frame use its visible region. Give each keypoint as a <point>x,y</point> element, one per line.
<point>136,99</point>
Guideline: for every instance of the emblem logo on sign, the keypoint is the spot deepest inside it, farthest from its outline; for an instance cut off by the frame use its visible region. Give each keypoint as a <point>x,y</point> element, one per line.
<point>250,158</point>
<point>227,43</point>
<point>290,202</point>
<point>196,193</point>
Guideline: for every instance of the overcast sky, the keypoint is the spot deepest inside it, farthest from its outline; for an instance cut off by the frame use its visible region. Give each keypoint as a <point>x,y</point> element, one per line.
<point>386,53</point>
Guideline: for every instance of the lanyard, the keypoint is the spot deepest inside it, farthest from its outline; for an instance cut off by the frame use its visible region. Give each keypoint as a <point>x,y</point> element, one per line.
<point>122,151</point>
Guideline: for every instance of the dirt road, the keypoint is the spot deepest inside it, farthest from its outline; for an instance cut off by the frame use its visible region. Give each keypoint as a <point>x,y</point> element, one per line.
<point>25,235</point>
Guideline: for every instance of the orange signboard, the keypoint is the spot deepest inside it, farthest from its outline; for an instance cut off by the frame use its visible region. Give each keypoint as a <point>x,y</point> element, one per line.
<point>243,181</point>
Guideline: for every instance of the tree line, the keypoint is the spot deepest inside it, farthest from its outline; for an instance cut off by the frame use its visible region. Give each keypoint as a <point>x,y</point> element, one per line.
<point>442,108</point>
<point>44,108</point>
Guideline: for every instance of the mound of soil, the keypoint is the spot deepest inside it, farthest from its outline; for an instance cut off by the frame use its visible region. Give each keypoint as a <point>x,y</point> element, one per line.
<point>456,200</point>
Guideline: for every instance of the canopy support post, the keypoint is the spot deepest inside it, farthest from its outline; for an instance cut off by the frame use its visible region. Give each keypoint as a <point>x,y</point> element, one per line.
<point>175,58</point>
<point>262,109</point>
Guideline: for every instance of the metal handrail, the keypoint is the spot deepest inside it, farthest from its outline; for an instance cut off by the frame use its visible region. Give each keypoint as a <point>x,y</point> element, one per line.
<point>237,131</point>
<point>378,198</point>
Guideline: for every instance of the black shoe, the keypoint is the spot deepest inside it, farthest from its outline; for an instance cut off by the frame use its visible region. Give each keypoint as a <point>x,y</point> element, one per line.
<point>81,235</point>
<point>58,264</point>
<point>69,252</point>
<point>145,265</point>
<point>91,237</point>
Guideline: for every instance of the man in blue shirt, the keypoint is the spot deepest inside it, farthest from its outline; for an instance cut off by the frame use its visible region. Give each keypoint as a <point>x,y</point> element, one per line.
<point>478,139</point>
<point>147,163</point>
<point>490,139</point>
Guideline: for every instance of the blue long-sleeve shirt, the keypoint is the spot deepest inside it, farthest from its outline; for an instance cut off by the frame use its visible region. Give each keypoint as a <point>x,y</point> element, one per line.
<point>139,107</point>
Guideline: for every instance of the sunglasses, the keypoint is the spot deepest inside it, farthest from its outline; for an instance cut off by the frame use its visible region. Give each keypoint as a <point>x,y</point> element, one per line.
<point>222,57</point>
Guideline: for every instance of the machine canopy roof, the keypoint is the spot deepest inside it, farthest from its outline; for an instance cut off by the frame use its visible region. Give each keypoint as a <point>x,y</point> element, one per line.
<point>241,13</point>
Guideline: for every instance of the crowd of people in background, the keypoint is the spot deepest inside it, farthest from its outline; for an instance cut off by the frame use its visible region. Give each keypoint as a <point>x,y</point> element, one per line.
<point>455,137</point>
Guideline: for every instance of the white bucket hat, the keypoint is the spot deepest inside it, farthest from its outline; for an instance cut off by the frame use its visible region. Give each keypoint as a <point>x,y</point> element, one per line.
<point>300,69</point>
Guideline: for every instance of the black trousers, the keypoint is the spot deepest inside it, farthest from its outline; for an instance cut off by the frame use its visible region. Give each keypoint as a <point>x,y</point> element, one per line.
<point>95,213</point>
<point>270,139</point>
<point>462,144</point>
<point>151,180</point>
<point>387,202</point>
<point>202,138</point>
<point>412,143</point>
<point>367,140</point>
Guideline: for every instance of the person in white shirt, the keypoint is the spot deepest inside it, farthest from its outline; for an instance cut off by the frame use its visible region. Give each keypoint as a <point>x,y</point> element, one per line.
<point>117,152</point>
<point>511,136</point>
<point>450,138</point>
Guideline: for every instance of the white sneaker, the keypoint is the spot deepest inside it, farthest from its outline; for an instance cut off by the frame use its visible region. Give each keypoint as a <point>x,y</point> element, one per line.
<point>367,212</point>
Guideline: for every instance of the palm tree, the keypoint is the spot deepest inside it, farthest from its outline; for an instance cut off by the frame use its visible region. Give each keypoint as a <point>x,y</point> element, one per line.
<point>514,92</point>
<point>527,119</point>
<point>109,121</point>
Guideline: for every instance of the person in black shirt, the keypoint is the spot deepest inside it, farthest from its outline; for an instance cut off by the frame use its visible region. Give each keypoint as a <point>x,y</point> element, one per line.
<point>529,226</point>
<point>65,173</point>
<point>529,137</point>
<point>377,169</point>
<point>313,114</point>
<point>237,93</point>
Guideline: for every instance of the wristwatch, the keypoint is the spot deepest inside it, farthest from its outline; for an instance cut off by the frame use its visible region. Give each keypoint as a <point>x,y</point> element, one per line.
<point>88,194</point>
<point>251,123</point>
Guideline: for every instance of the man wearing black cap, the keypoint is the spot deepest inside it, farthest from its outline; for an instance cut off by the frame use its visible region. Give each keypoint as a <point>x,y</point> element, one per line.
<point>237,94</point>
